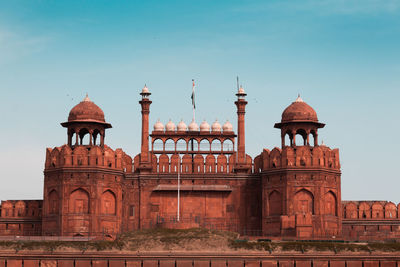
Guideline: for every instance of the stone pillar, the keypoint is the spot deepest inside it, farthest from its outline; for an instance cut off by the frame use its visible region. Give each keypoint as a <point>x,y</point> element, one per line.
<point>77,138</point>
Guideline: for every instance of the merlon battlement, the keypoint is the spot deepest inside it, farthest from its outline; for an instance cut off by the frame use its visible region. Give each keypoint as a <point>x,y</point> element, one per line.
<point>93,156</point>
<point>299,156</point>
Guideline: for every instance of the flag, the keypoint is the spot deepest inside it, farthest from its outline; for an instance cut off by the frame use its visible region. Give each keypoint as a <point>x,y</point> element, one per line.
<point>192,97</point>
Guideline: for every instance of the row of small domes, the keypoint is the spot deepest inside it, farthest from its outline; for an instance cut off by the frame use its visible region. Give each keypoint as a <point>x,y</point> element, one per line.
<point>193,127</point>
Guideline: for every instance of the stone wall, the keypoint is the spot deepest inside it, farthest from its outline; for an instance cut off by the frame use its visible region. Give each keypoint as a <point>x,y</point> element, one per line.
<point>197,260</point>
<point>21,217</point>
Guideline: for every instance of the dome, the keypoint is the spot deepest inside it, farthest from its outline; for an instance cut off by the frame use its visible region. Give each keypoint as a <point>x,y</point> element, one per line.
<point>170,126</point>
<point>227,127</point>
<point>158,126</point>
<point>216,127</point>
<point>193,126</point>
<point>299,111</point>
<point>204,126</point>
<point>145,90</point>
<point>86,111</point>
<point>182,126</point>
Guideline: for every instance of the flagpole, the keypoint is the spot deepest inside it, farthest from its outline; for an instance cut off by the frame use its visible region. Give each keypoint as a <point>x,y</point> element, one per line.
<point>193,101</point>
<point>179,185</point>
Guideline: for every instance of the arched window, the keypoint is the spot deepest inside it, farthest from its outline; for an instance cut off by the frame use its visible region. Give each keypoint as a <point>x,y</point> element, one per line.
<point>204,145</point>
<point>193,145</point>
<point>158,145</point>
<point>181,145</point>
<point>227,145</point>
<point>216,145</point>
<point>79,202</point>
<point>304,202</point>
<point>169,145</point>
<point>108,202</point>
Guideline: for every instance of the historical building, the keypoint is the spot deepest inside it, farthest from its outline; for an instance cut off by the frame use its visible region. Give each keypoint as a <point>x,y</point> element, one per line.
<point>291,191</point>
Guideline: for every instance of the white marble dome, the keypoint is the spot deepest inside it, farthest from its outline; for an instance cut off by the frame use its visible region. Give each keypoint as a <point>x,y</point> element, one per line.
<point>204,126</point>
<point>158,126</point>
<point>170,126</point>
<point>216,126</point>
<point>193,126</point>
<point>227,127</point>
<point>181,126</point>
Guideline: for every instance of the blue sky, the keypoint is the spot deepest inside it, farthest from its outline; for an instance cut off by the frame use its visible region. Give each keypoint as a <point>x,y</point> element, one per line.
<point>341,56</point>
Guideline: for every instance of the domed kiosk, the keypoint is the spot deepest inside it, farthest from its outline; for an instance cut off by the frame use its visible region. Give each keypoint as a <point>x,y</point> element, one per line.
<point>299,118</point>
<point>86,118</point>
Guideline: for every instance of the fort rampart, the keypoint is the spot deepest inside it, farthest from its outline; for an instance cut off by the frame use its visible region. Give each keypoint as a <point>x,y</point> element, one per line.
<point>191,259</point>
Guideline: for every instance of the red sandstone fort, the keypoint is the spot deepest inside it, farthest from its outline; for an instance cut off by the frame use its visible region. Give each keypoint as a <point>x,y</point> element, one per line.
<point>292,191</point>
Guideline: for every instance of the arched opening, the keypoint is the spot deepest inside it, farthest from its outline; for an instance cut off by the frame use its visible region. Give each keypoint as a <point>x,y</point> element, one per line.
<point>181,145</point>
<point>204,145</point>
<point>53,203</point>
<point>169,145</point>
<point>311,139</point>
<point>71,137</point>
<point>288,139</point>
<point>96,134</point>
<point>216,145</point>
<point>84,137</point>
<point>227,145</point>
<point>158,145</point>
<point>304,202</point>
<point>314,137</point>
<point>330,204</point>
<point>301,137</point>
<point>79,202</point>
<point>193,145</point>
<point>108,202</point>
<point>275,203</point>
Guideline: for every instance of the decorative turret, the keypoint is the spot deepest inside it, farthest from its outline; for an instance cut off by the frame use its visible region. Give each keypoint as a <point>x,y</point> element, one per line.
<point>301,184</point>
<point>299,119</point>
<point>86,118</point>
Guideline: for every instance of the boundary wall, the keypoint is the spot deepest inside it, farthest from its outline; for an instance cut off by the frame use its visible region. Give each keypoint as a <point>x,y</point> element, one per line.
<point>249,259</point>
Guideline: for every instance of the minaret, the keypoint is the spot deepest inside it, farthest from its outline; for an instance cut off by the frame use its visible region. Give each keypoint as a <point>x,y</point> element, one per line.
<point>145,160</point>
<point>241,110</point>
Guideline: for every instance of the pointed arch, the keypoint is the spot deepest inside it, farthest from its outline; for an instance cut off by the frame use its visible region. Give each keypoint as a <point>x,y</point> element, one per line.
<point>304,202</point>
<point>108,203</point>
<point>79,201</point>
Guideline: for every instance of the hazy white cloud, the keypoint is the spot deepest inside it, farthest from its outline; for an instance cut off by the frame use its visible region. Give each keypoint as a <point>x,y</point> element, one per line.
<point>351,7</point>
<point>15,45</point>
<point>326,7</point>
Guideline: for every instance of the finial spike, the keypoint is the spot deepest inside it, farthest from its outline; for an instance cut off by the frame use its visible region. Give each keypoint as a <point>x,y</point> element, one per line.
<point>86,99</point>
<point>299,99</point>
